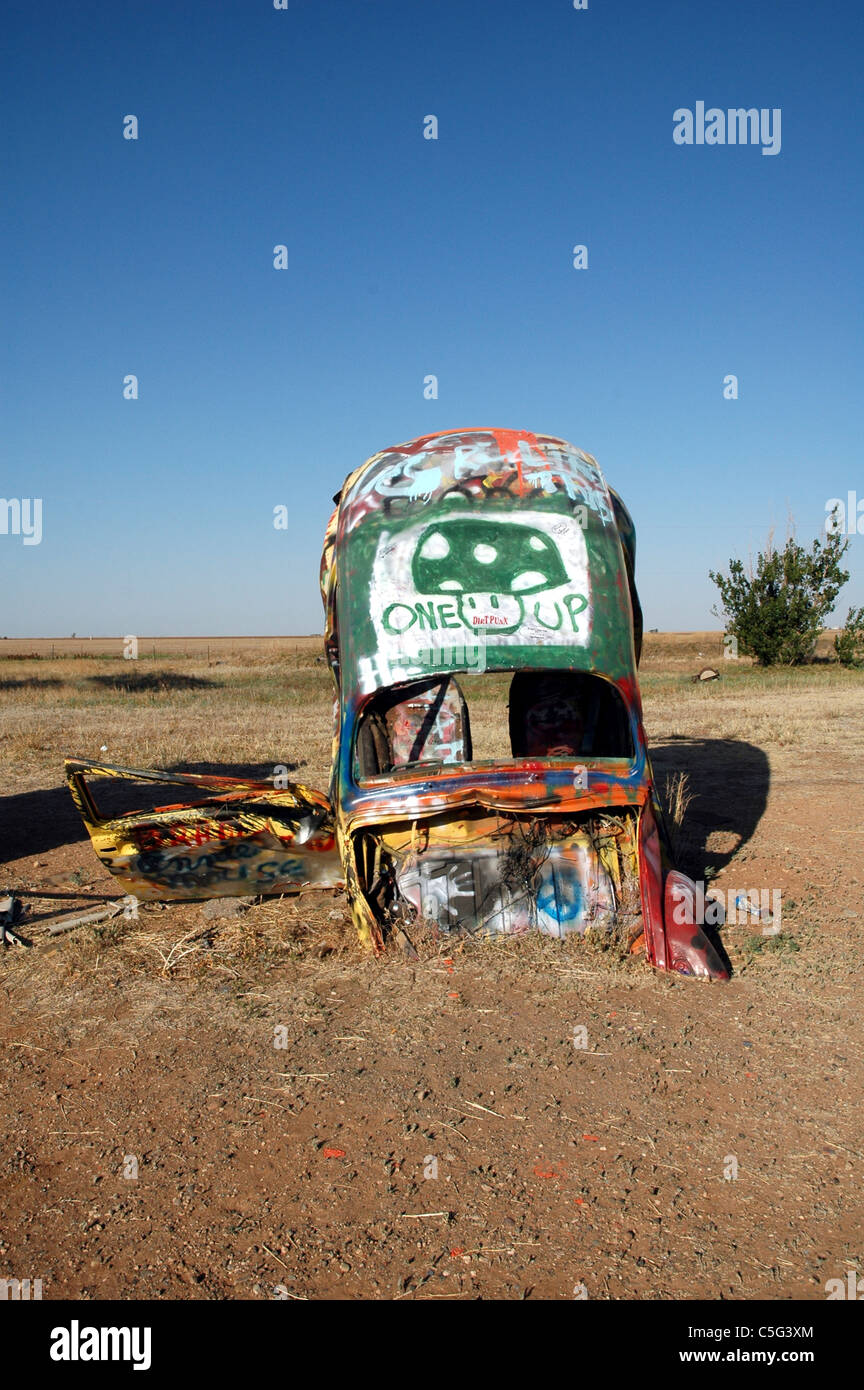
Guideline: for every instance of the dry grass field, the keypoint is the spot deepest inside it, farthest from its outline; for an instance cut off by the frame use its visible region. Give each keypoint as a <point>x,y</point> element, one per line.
<point>428,1129</point>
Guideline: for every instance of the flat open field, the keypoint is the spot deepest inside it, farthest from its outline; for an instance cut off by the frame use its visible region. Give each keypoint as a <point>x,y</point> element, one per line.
<point>428,1130</point>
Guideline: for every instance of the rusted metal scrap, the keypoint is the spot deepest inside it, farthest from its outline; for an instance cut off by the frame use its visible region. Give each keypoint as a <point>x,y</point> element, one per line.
<point>10,907</point>
<point>59,924</point>
<point>237,837</point>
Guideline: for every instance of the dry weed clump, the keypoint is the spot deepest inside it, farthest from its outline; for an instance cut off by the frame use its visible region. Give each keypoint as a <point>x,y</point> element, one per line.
<point>675,797</point>
<point>176,941</point>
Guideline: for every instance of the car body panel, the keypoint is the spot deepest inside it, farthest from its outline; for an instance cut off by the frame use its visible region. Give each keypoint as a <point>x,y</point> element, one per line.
<point>238,838</point>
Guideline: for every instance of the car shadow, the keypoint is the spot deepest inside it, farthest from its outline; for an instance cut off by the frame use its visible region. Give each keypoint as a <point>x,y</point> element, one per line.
<point>728,783</point>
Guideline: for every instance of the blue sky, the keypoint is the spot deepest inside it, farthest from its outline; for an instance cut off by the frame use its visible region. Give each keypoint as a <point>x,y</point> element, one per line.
<point>407,256</point>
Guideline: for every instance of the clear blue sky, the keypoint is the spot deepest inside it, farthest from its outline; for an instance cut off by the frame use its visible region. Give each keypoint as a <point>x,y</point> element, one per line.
<point>408,257</point>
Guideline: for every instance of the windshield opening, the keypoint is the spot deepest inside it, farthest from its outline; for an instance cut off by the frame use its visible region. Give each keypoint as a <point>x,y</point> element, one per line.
<point>571,715</point>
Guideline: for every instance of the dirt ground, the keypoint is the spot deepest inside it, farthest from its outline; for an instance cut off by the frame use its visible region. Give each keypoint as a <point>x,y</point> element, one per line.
<point>252,1108</point>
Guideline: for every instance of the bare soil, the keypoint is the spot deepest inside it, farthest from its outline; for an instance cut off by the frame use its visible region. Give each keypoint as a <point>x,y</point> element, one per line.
<point>253,1108</point>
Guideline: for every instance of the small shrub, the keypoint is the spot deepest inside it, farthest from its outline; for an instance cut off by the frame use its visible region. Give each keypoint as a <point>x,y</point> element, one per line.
<point>777,610</point>
<point>849,643</point>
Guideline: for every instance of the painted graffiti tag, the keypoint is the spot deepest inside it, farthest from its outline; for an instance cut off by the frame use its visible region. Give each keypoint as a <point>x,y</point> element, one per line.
<point>400,617</point>
<point>501,556</point>
<point>560,896</point>
<point>155,837</point>
<point>475,467</point>
<point>518,579</point>
<point>247,862</point>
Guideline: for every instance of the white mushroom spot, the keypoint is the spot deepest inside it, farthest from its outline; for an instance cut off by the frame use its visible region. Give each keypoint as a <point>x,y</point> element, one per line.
<point>485,554</point>
<point>537,543</point>
<point>435,547</point>
<point>450,584</point>
<point>527,580</point>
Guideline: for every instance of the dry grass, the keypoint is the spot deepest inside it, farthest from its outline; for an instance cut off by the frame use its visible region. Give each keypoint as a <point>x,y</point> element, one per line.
<point>255,706</point>
<point>263,702</point>
<point>676,795</point>
<point>813,707</point>
<point>180,943</point>
<point>259,712</point>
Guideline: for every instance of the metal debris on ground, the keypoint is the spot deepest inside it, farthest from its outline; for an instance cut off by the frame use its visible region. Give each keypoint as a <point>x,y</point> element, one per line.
<point>10,908</point>
<point>83,919</point>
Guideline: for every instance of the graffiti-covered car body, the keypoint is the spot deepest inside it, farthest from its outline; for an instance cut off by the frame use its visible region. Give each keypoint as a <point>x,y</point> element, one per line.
<point>479,566</point>
<point>495,553</point>
<point>233,838</point>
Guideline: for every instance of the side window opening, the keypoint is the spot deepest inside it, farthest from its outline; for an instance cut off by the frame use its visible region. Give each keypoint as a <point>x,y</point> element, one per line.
<point>425,722</point>
<point>567,714</point>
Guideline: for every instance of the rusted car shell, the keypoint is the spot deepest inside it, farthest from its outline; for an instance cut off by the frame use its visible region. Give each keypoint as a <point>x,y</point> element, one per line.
<point>415,532</point>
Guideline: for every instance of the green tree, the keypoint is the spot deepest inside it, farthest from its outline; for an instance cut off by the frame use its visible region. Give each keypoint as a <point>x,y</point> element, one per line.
<point>777,609</point>
<point>849,643</point>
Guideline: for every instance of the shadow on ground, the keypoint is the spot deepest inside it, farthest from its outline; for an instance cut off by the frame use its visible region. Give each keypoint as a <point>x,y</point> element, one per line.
<point>728,782</point>
<point>32,683</point>
<point>133,681</point>
<point>255,772</point>
<point>35,822</point>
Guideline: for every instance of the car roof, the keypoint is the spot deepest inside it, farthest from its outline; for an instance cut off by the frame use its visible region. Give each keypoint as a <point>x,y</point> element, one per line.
<point>475,546</point>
